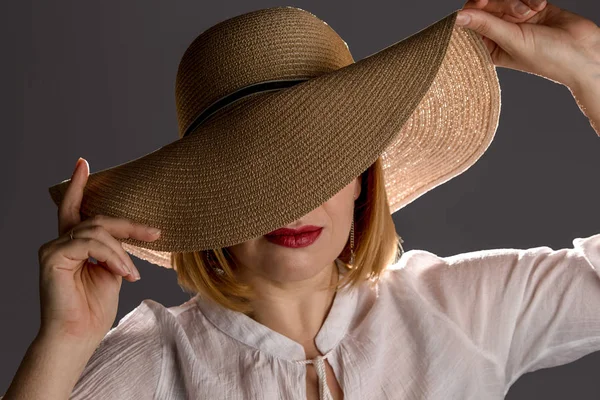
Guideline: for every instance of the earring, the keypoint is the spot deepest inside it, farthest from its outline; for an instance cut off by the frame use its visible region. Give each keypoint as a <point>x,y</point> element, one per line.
<point>352,238</point>
<point>352,243</point>
<point>400,248</point>
<point>216,268</point>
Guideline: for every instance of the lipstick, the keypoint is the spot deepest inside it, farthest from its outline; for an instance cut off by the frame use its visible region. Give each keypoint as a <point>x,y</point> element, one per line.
<point>294,238</point>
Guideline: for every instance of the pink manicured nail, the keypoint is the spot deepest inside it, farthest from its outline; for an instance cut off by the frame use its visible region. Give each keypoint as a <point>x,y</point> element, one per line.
<point>77,164</point>
<point>153,231</point>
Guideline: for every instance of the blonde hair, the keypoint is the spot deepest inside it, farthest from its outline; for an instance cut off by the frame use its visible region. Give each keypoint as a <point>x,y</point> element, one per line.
<point>376,245</point>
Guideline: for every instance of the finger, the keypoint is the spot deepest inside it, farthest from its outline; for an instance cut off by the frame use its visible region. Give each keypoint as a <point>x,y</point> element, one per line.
<point>128,278</point>
<point>68,211</point>
<point>80,249</point>
<point>99,233</point>
<point>476,3</point>
<point>505,34</point>
<point>510,10</point>
<point>107,229</point>
<point>489,44</point>
<point>121,228</point>
<point>92,260</point>
<point>536,5</point>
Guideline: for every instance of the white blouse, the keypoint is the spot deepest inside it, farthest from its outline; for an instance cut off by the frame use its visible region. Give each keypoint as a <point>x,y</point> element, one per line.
<point>459,327</point>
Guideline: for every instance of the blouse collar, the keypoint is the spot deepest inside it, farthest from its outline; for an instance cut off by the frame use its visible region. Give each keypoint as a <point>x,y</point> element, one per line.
<point>244,329</point>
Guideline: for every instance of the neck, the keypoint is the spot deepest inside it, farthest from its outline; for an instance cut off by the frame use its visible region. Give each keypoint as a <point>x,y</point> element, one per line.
<point>295,309</point>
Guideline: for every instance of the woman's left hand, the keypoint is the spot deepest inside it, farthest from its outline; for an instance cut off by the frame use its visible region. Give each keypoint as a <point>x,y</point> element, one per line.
<point>548,41</point>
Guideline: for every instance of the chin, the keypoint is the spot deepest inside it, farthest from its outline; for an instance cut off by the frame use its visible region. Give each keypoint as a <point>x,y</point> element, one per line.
<point>293,269</point>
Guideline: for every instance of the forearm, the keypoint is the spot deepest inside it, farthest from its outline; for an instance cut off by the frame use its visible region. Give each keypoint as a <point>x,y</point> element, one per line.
<point>49,370</point>
<point>586,92</point>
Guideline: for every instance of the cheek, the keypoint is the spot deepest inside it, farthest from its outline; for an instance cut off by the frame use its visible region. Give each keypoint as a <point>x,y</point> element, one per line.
<point>336,214</point>
<point>244,252</point>
<point>340,206</point>
<point>340,210</point>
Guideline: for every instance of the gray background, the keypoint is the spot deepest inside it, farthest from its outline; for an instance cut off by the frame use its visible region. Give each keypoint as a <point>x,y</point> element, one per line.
<point>96,79</point>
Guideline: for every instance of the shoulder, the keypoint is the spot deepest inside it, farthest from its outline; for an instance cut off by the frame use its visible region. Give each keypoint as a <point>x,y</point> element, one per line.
<point>428,280</point>
<point>143,324</point>
<point>476,281</point>
<point>421,267</point>
<point>127,362</point>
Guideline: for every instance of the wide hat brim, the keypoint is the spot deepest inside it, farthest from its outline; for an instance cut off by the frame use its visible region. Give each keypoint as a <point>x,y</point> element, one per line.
<point>428,105</point>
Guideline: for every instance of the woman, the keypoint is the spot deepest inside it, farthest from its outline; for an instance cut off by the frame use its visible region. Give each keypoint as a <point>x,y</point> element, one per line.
<point>268,306</point>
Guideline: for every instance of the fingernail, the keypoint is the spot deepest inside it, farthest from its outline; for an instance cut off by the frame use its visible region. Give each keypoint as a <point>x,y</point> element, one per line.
<point>463,18</point>
<point>522,9</point>
<point>76,166</point>
<point>136,274</point>
<point>153,231</point>
<point>126,268</point>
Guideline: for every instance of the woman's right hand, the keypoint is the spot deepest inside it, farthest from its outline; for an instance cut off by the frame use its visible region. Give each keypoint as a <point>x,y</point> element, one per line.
<point>78,298</point>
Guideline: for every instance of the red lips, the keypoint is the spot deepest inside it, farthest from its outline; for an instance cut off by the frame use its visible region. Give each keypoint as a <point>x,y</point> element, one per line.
<point>295,238</point>
<point>290,232</point>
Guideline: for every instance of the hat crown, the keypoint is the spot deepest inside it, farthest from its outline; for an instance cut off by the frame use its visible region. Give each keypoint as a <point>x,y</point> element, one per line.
<point>272,44</point>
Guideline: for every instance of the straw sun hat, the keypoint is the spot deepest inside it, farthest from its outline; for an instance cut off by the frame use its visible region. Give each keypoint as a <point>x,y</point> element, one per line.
<point>275,118</point>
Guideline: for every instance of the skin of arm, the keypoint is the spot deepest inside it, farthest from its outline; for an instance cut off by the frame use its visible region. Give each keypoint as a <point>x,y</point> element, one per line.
<point>548,41</point>
<point>50,369</point>
<point>586,91</point>
<point>52,365</point>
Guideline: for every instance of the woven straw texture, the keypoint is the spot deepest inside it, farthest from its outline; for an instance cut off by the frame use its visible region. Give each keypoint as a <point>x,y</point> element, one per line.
<point>428,105</point>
